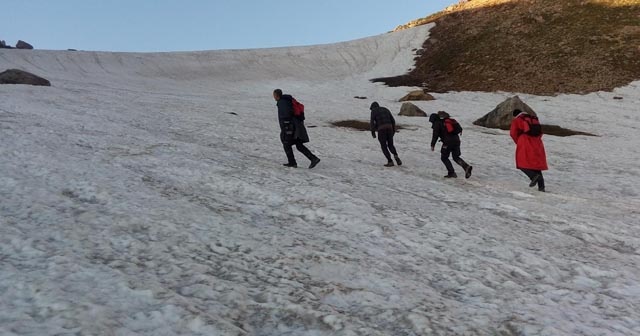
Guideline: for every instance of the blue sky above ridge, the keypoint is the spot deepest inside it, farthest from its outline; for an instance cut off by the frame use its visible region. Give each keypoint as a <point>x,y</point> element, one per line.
<point>170,25</point>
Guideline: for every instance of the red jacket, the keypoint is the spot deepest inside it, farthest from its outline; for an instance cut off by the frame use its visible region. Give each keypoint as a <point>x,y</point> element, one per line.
<point>530,152</point>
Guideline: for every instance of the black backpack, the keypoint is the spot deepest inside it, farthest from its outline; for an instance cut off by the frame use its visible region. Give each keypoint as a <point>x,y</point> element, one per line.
<point>535,129</point>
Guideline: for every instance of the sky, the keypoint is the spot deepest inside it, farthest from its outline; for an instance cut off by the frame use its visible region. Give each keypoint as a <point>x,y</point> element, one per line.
<point>176,25</point>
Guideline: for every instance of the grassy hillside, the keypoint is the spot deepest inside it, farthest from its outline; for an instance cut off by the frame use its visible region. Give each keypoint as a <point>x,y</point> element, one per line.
<point>542,47</point>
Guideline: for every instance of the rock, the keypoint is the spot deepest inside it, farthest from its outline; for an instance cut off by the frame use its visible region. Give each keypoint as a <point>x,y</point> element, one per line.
<point>23,45</point>
<point>15,76</point>
<point>502,115</point>
<point>410,110</point>
<point>417,95</point>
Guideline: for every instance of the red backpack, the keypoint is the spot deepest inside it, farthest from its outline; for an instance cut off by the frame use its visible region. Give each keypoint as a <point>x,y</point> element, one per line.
<point>298,108</point>
<point>452,126</point>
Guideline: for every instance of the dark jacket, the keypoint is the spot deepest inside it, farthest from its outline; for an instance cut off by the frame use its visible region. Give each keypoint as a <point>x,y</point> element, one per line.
<point>440,132</point>
<point>381,118</point>
<point>291,128</point>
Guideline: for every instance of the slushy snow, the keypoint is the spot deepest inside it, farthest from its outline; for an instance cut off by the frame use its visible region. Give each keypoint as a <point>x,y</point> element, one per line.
<point>144,194</point>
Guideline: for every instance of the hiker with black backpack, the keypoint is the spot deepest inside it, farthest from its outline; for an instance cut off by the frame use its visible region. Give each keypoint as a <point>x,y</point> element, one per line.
<point>448,130</point>
<point>382,121</point>
<point>531,158</point>
<point>292,130</point>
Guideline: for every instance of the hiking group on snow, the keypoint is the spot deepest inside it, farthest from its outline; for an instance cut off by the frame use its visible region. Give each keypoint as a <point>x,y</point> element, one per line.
<point>525,131</point>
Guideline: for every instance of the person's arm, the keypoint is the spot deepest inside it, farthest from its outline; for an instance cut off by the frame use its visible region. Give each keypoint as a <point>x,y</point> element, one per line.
<point>393,122</point>
<point>436,134</point>
<point>372,124</point>
<point>515,130</point>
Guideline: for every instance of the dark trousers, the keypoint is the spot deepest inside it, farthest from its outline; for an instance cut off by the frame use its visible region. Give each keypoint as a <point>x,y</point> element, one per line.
<point>453,150</point>
<point>288,149</point>
<point>532,173</point>
<point>385,136</point>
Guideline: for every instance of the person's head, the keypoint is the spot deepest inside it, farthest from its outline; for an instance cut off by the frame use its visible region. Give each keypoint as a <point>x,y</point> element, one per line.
<point>433,117</point>
<point>277,94</point>
<point>443,115</point>
<point>374,105</point>
<point>516,112</point>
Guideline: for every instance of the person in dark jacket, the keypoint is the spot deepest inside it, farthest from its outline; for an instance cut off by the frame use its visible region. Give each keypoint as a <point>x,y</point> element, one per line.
<point>450,144</point>
<point>382,121</point>
<point>292,131</point>
<point>531,157</point>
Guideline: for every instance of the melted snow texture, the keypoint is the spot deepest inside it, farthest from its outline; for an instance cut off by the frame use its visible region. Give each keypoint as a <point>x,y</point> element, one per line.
<point>143,194</point>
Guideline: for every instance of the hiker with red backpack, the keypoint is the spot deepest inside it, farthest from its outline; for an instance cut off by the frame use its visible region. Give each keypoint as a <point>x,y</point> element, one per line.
<point>531,158</point>
<point>292,130</point>
<point>382,121</point>
<point>448,130</point>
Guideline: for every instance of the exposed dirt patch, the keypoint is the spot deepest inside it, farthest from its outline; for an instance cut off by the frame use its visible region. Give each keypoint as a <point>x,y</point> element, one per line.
<point>562,132</point>
<point>551,130</point>
<point>359,125</point>
<point>542,47</point>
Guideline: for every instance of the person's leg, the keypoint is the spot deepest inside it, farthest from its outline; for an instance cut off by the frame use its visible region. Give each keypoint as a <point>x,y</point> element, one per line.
<point>456,157</point>
<point>534,176</point>
<point>530,173</point>
<point>291,159</point>
<point>444,157</point>
<point>540,181</point>
<point>304,150</point>
<point>383,138</point>
<point>392,148</point>
<point>455,153</point>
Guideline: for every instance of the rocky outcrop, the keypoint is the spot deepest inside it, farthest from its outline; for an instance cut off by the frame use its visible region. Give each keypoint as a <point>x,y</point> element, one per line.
<point>15,76</point>
<point>410,110</point>
<point>23,45</point>
<point>502,115</point>
<point>417,95</point>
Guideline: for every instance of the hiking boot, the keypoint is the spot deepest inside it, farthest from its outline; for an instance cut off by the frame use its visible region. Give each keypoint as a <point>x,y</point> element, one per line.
<point>398,161</point>
<point>291,165</point>
<point>541,190</point>
<point>534,180</point>
<point>451,175</point>
<point>467,171</point>
<point>389,164</point>
<point>314,162</point>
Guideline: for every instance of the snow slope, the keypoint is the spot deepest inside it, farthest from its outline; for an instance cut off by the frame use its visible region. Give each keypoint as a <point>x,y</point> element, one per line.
<point>143,194</point>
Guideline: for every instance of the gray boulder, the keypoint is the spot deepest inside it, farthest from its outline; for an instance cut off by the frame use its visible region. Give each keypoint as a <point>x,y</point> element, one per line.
<point>502,115</point>
<point>23,45</point>
<point>417,95</point>
<point>15,76</point>
<point>410,110</point>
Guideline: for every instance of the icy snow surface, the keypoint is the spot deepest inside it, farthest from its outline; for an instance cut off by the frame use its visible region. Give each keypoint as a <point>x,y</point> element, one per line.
<point>144,194</point>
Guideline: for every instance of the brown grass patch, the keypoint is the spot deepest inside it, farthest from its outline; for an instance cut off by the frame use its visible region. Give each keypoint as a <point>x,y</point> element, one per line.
<point>562,132</point>
<point>554,130</point>
<point>542,47</point>
<point>359,125</point>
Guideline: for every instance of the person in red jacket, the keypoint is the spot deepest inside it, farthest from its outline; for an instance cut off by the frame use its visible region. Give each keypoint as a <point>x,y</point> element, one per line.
<point>531,158</point>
